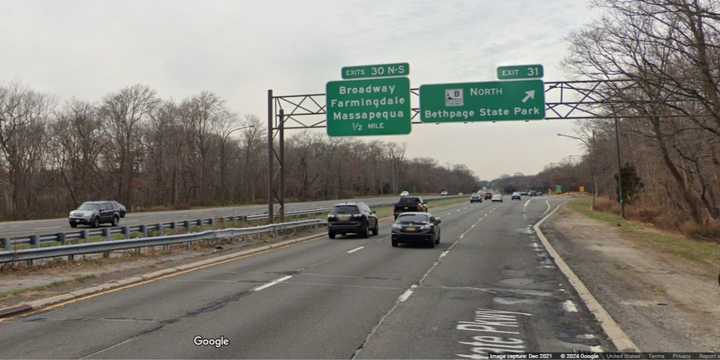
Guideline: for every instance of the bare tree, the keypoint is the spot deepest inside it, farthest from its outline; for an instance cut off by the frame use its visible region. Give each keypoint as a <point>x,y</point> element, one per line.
<point>124,114</point>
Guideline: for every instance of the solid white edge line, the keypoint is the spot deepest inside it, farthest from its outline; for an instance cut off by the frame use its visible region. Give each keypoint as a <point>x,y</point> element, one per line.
<point>274,282</point>
<point>444,253</point>
<point>355,249</point>
<point>621,341</point>
<point>405,295</point>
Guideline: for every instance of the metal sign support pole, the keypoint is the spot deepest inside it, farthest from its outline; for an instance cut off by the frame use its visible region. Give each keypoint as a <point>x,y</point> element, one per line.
<point>281,126</point>
<point>270,172</point>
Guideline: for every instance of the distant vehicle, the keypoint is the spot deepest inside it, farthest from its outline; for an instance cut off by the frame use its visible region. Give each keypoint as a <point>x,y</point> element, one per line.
<point>409,204</point>
<point>532,193</point>
<point>488,196</point>
<point>417,227</point>
<point>94,213</point>
<point>352,217</point>
<point>444,193</point>
<point>497,198</point>
<point>475,198</point>
<point>516,196</point>
<point>405,193</point>
<point>524,193</point>
<point>120,208</point>
<point>461,194</point>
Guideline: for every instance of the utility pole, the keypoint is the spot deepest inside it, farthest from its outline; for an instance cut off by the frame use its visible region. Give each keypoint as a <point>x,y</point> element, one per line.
<point>619,164</point>
<point>592,162</point>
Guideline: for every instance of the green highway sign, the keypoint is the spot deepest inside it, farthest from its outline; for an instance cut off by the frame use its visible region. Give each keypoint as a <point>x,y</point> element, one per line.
<point>368,107</point>
<point>380,70</point>
<point>483,101</point>
<point>520,72</point>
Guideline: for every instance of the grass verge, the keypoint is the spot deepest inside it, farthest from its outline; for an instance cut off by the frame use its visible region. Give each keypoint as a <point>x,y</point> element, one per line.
<point>701,252</point>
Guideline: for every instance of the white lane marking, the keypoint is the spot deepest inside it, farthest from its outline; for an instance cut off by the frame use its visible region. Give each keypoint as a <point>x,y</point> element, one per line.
<point>405,295</point>
<point>109,348</point>
<point>526,204</point>
<point>444,253</point>
<point>462,235</point>
<point>548,206</point>
<point>274,282</point>
<point>597,349</point>
<point>355,249</point>
<point>569,306</point>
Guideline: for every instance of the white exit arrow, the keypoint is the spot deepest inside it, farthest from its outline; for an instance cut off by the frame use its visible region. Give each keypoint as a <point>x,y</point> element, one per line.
<point>529,95</point>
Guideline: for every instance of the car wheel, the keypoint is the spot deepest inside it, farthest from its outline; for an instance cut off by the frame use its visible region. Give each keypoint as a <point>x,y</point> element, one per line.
<point>437,241</point>
<point>115,220</point>
<point>431,243</point>
<point>394,243</point>
<point>375,230</point>
<point>95,222</point>
<point>331,235</point>
<point>364,232</point>
<point>73,225</point>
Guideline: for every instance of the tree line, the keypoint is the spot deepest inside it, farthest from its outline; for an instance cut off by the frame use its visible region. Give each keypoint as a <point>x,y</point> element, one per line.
<point>154,153</point>
<point>668,113</point>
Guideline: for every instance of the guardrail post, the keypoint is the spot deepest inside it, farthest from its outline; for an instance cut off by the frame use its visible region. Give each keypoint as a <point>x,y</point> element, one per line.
<point>186,225</point>
<point>7,244</point>
<point>107,236</point>
<point>159,228</point>
<point>126,232</point>
<point>211,221</point>
<point>61,238</point>
<point>144,230</point>
<point>33,240</point>
<point>83,234</point>
<point>199,222</point>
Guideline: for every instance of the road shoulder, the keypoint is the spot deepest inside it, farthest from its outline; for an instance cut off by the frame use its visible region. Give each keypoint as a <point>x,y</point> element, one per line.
<point>662,301</point>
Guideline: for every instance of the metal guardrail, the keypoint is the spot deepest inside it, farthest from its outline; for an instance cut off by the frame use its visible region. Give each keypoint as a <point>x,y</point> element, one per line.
<point>144,230</point>
<point>138,243</point>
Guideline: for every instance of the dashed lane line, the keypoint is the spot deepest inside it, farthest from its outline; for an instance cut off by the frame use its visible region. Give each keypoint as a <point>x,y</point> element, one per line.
<point>406,295</point>
<point>355,249</point>
<point>272,283</point>
<point>569,306</point>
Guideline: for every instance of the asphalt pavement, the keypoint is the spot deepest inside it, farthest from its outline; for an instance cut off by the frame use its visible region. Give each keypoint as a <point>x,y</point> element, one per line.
<point>488,287</point>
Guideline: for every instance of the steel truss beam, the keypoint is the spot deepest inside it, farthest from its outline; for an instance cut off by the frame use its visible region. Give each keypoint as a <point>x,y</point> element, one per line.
<point>564,100</point>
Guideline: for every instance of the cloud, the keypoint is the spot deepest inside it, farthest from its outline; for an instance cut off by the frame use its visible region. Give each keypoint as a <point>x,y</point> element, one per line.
<point>239,49</point>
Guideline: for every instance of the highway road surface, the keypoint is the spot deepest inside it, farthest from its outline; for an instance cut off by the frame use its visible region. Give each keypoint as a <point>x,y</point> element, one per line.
<point>50,226</point>
<point>488,287</point>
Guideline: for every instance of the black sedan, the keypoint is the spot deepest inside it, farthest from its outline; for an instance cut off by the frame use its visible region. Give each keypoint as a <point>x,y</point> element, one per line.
<point>416,227</point>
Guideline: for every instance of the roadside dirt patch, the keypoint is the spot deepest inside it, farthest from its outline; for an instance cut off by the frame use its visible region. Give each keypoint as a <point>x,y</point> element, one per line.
<point>663,302</point>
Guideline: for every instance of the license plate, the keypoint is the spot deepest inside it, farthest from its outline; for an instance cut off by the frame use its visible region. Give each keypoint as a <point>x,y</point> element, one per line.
<point>410,229</point>
<point>344,217</point>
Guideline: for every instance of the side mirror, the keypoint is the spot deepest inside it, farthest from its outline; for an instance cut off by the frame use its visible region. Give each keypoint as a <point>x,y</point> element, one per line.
<point>437,221</point>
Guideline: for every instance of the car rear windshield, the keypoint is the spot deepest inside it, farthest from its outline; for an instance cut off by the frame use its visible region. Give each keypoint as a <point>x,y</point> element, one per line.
<point>409,200</point>
<point>87,206</point>
<point>346,209</point>
<point>413,218</point>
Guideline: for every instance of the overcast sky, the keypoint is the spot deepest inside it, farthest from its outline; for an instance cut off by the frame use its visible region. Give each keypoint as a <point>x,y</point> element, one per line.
<point>239,49</point>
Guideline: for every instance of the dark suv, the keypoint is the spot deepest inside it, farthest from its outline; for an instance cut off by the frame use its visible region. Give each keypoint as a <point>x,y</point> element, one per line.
<point>94,213</point>
<point>356,218</point>
<point>409,204</point>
